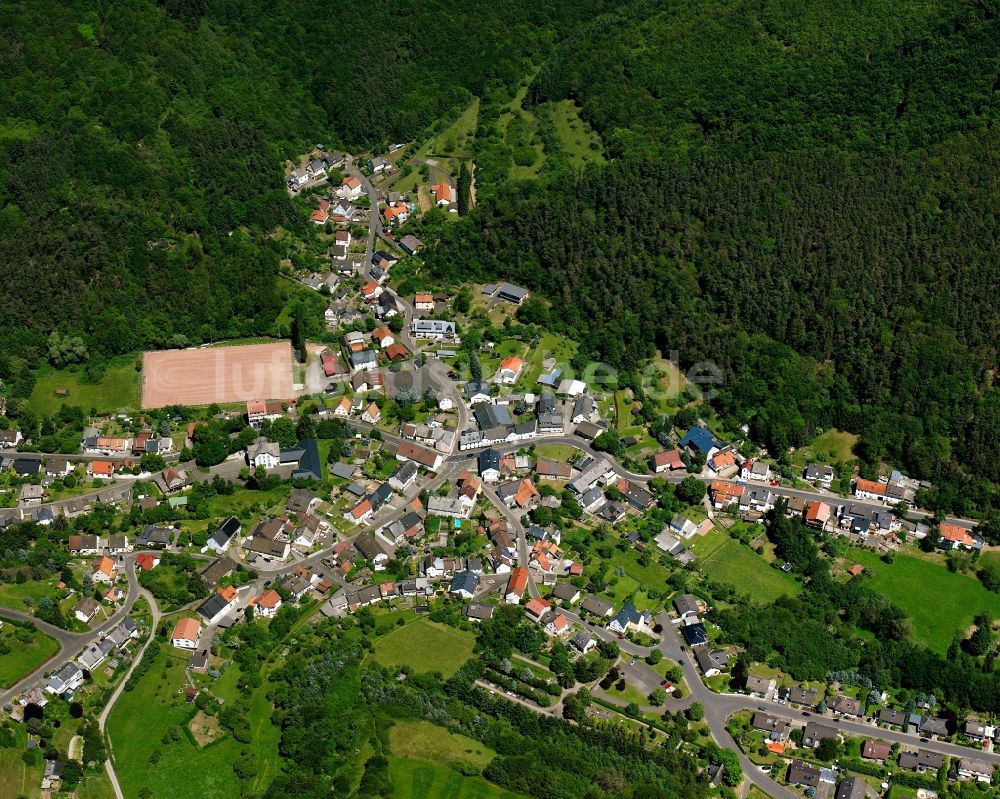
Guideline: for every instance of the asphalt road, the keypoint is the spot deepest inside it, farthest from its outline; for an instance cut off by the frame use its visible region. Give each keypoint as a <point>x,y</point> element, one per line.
<point>71,643</point>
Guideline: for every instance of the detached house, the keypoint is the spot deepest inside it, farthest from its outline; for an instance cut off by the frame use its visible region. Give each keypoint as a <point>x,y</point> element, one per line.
<point>955,537</point>
<point>186,633</point>
<point>627,618</point>
<point>516,585</point>
<point>819,474</point>
<point>510,370</point>
<point>104,570</point>
<point>669,461</point>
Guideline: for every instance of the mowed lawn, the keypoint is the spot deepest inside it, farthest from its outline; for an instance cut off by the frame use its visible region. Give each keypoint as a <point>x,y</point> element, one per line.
<point>119,388</point>
<point>136,728</point>
<point>939,603</point>
<point>23,658</point>
<point>425,646</point>
<point>419,779</point>
<point>727,560</point>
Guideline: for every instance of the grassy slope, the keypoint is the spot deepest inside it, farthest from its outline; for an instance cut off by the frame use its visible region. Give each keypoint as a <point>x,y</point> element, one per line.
<point>424,646</point>
<point>728,561</point>
<point>424,740</point>
<point>418,779</point>
<point>118,389</point>
<point>139,720</point>
<point>938,602</point>
<point>581,142</point>
<point>23,658</point>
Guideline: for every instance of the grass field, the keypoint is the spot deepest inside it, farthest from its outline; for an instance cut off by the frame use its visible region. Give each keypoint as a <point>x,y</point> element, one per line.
<point>13,595</point>
<point>119,388</point>
<point>726,560</point>
<point>418,779</point>
<point>16,778</point>
<point>139,720</point>
<point>422,740</point>
<point>524,120</point>
<point>23,658</point>
<point>581,142</point>
<point>424,646</point>
<point>938,602</point>
<point>454,141</point>
<point>833,446</point>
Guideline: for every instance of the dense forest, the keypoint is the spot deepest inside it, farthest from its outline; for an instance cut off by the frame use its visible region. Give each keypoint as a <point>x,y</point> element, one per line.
<point>805,199</point>
<point>142,144</point>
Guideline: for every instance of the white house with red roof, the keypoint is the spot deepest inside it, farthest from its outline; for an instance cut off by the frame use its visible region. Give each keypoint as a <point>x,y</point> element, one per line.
<point>269,604</point>
<point>350,189</point>
<point>668,461</point>
<point>185,634</point>
<point>557,625</point>
<point>372,414</point>
<point>510,370</point>
<point>444,195</point>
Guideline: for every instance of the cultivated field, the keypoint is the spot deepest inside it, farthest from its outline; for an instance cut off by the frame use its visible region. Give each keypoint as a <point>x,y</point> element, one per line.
<point>217,374</point>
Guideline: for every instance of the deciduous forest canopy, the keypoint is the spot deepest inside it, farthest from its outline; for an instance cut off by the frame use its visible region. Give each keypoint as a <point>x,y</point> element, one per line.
<point>803,195</point>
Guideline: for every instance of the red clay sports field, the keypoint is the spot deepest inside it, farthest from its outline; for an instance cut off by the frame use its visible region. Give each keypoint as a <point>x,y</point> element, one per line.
<point>217,374</point>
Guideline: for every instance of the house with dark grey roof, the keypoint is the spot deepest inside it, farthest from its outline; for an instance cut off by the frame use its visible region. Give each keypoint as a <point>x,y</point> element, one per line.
<point>687,606</point>
<point>344,471</point>
<point>798,695</point>
<point>596,606</point>
<point>800,773</point>
<point>565,592</point>
<point>464,584</point>
<point>512,293</point>
<point>815,732</point>
<point>476,611</point>
<point>695,634</point>
<point>895,718</point>
<point>920,761</point>
<point>852,788</point>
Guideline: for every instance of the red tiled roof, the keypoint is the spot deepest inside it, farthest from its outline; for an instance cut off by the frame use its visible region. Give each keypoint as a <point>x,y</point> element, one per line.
<point>869,485</point>
<point>187,628</point>
<point>536,606</point>
<point>145,561</point>
<point>518,580</point>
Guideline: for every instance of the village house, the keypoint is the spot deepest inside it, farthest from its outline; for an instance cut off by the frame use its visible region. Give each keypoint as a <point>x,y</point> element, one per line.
<point>259,410</point>
<point>104,571</point>
<point>433,329</point>
<point>86,609</point>
<point>875,750</point>
<point>819,474</point>
<point>669,461</point>
<point>218,605</point>
<point>186,633</point>
<point>423,457</point>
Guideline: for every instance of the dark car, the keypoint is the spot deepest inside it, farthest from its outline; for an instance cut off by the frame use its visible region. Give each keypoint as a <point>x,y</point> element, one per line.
<point>806,713</point>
